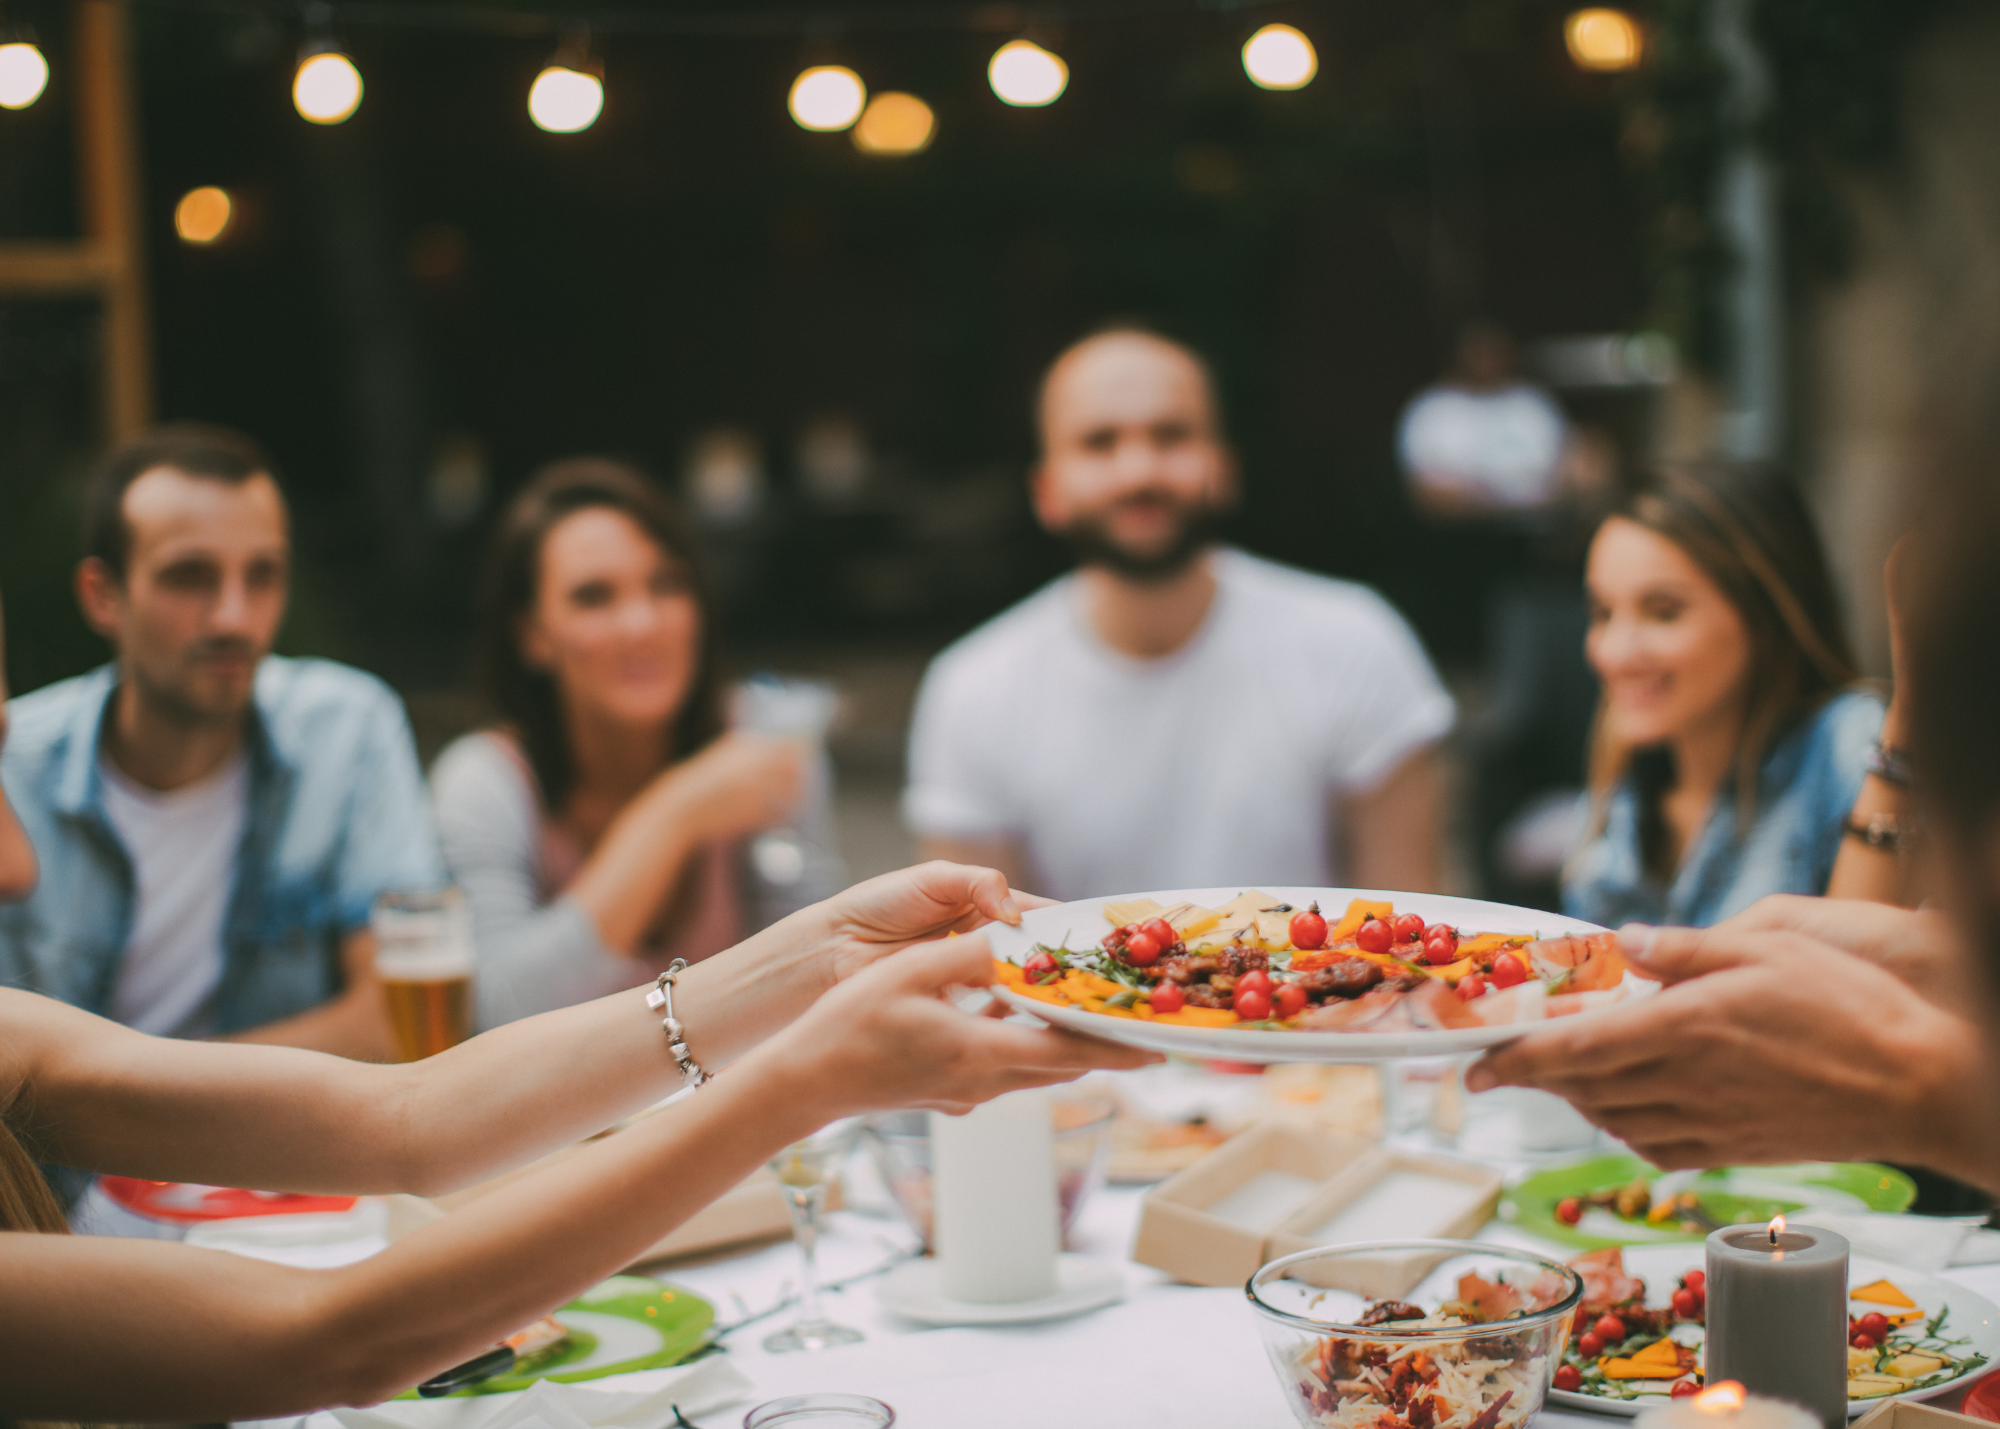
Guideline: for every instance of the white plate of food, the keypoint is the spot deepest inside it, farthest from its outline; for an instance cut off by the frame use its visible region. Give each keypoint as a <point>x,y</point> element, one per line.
<point>1347,975</point>
<point>1931,1337</point>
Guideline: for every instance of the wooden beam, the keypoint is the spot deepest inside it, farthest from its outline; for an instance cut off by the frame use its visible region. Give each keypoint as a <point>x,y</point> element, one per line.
<point>112,215</point>
<point>53,269</point>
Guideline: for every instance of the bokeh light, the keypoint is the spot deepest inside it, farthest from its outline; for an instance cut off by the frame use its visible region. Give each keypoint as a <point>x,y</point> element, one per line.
<point>895,123</point>
<point>1603,39</point>
<point>327,87</point>
<point>202,216</point>
<point>564,100</point>
<point>24,74</point>
<point>827,98</point>
<point>1024,74</point>
<point>1280,57</point>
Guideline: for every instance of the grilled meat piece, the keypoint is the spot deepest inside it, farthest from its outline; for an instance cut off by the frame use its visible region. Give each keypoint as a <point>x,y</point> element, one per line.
<point>1349,977</point>
<point>1383,1311</point>
<point>1202,994</point>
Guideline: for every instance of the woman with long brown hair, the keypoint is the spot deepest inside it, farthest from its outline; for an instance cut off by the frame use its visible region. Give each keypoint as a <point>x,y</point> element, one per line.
<point>598,827</point>
<point>1731,742</point>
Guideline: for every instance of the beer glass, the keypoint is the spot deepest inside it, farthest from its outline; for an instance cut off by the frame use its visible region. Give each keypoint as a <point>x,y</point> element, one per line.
<point>423,955</point>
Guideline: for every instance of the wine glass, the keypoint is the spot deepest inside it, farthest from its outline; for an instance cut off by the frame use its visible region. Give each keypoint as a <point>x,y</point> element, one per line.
<point>805,1169</point>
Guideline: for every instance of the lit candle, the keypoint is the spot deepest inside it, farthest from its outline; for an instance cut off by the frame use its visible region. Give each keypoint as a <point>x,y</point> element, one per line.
<point>994,1179</point>
<point>1725,1405</point>
<point>1777,1315</point>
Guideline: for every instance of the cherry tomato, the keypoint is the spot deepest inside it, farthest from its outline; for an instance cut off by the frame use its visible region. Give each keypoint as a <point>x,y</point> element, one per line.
<point>1471,985</point>
<point>1142,949</point>
<point>1114,941</point>
<point>1309,929</point>
<point>1509,971</point>
<point>1610,1329</point>
<point>1687,1303</point>
<point>1252,1005</point>
<point>1569,1210</point>
<point>1862,1342</point>
<point>1696,1280</point>
<point>1040,966</point>
<point>1874,1326</point>
<point>1439,951</point>
<point>1160,931</point>
<point>1168,997</point>
<point>1683,1388</point>
<point>1589,1346</point>
<point>1291,999</point>
<point>1441,933</point>
<point>1374,936</point>
<point>1408,928</point>
<point>1256,980</point>
<point>1568,1377</point>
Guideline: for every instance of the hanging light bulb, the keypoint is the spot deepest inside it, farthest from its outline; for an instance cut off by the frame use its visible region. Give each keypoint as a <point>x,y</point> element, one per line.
<point>894,124</point>
<point>326,89</point>
<point>568,95</point>
<point>202,216</point>
<point>827,98</point>
<point>1280,57</point>
<point>1602,39</point>
<point>24,74</point>
<point>1027,76</point>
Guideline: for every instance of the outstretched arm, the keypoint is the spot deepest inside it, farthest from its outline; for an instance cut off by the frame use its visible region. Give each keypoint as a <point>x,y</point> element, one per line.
<point>17,855</point>
<point>85,1092</point>
<point>82,1329</point>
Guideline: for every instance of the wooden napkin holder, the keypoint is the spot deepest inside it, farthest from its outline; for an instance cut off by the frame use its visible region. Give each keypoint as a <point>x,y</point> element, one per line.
<point>1196,1228</point>
<point>1902,1414</point>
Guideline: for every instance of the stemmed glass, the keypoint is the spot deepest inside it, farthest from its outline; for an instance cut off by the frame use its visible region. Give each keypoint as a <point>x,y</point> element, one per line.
<point>805,1169</point>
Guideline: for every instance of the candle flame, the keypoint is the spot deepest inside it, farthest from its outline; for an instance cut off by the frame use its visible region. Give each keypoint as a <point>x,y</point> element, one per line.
<point>1720,1398</point>
<point>1777,1228</point>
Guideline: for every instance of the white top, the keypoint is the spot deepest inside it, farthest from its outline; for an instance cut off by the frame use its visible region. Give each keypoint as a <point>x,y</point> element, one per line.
<point>183,848</point>
<point>1503,446</point>
<point>1216,764</point>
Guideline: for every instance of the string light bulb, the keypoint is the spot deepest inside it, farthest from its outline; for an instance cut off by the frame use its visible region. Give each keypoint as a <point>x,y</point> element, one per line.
<point>895,124</point>
<point>202,216</point>
<point>1027,76</point>
<point>1603,39</point>
<point>326,89</point>
<point>1280,57</point>
<point>24,74</point>
<point>568,95</point>
<point>827,98</point>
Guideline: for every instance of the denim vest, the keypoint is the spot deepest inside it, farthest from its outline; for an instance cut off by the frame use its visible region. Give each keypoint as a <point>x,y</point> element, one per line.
<point>1805,792</point>
<point>337,812</point>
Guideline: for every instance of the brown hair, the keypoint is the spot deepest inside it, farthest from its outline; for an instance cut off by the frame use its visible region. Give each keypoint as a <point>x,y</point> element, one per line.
<point>26,1204</point>
<point>1748,529</point>
<point>526,699</point>
<point>191,448</point>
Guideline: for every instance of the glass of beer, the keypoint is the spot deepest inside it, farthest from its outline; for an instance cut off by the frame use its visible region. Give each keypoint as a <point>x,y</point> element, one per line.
<point>423,955</point>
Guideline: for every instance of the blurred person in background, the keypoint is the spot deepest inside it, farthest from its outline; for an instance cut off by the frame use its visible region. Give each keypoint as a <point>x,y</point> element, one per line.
<point>17,855</point>
<point>1731,743</point>
<point>1175,713</point>
<point>1483,442</point>
<point>599,829</point>
<point>213,821</point>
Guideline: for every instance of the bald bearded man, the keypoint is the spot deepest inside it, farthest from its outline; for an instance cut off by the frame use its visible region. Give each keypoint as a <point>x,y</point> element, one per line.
<point>1174,713</point>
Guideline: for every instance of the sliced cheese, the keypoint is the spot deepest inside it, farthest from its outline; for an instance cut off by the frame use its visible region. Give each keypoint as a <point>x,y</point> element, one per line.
<point>1882,1292</point>
<point>1135,910</point>
<point>1875,1386</point>
<point>1915,1364</point>
<point>1191,920</point>
<point>1860,1361</point>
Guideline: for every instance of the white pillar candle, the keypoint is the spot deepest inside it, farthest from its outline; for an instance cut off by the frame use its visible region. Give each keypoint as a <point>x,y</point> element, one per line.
<point>994,1177</point>
<point>1724,1405</point>
<point>1777,1315</point>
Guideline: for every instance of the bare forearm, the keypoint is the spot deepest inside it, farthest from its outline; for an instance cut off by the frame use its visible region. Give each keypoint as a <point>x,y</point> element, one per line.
<point>1390,835</point>
<point>635,867</point>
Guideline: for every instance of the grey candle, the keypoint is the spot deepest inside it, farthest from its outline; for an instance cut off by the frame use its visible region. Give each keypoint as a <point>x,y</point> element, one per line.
<point>1777,1315</point>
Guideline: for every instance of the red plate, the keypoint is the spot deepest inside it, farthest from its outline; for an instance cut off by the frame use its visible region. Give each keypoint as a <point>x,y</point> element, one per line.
<point>184,1203</point>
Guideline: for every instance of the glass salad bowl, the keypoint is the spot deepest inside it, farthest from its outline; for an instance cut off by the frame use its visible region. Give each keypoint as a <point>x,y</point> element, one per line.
<point>1414,1333</point>
<point>900,1143</point>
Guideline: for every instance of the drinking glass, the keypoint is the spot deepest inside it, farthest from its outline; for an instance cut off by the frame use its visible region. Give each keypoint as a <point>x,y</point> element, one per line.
<point>423,956</point>
<point>822,1411</point>
<point>805,1169</point>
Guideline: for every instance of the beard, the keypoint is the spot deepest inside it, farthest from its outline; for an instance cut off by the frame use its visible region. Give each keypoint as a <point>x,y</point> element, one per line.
<point>1091,540</point>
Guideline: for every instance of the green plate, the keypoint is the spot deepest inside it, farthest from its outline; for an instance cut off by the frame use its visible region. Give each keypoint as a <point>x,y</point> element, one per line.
<point>1732,1195</point>
<point>627,1323</point>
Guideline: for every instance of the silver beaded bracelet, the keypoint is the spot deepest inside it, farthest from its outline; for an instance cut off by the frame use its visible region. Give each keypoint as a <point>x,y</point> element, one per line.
<point>662,996</point>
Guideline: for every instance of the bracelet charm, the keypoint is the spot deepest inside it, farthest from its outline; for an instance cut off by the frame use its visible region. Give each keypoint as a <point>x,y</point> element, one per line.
<point>662,996</point>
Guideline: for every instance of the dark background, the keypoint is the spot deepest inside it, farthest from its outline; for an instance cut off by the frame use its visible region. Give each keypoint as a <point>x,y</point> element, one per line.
<point>437,274</point>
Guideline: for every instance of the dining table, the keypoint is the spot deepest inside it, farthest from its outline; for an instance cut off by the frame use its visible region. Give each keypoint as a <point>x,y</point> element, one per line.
<point>1166,1355</point>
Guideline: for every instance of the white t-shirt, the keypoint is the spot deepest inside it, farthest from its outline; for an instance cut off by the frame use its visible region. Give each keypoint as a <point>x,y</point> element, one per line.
<point>183,846</point>
<point>1504,446</point>
<point>1217,764</point>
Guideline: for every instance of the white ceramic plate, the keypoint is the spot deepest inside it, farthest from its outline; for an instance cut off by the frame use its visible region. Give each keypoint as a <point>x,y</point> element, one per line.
<point>1083,923</point>
<point>1972,1315</point>
<point>915,1290</point>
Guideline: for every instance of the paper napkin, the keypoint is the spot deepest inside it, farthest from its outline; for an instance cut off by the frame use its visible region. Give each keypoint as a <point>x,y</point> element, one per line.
<point>647,1404</point>
<point>1927,1243</point>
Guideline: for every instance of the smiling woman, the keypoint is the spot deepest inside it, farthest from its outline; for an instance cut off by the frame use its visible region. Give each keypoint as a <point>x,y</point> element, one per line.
<point>1728,749</point>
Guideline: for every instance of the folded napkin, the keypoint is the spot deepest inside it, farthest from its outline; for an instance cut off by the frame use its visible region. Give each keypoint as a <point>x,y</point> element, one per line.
<point>642,1401</point>
<point>1927,1243</point>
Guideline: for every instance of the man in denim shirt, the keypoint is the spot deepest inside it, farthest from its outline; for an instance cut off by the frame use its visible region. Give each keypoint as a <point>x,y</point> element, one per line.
<point>212,821</point>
